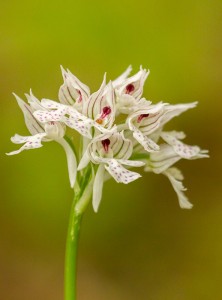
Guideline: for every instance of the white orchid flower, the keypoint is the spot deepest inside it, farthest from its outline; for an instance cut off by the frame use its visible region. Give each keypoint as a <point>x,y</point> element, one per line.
<point>98,111</point>
<point>48,131</point>
<point>67,115</point>
<point>168,155</point>
<point>73,91</point>
<point>110,151</point>
<point>143,122</point>
<point>100,106</point>
<point>149,119</point>
<point>129,90</point>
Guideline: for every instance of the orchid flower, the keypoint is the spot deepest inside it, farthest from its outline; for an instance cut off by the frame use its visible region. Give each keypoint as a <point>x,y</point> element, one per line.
<point>48,131</point>
<point>129,90</point>
<point>100,106</point>
<point>73,91</point>
<point>110,151</point>
<point>98,111</point>
<point>149,119</point>
<point>170,153</point>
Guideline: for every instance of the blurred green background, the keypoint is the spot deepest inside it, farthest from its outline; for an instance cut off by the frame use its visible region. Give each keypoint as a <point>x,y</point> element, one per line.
<point>140,245</point>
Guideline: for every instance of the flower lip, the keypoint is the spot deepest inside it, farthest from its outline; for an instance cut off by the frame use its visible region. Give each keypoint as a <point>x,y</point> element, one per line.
<point>106,144</point>
<point>141,117</point>
<point>130,88</point>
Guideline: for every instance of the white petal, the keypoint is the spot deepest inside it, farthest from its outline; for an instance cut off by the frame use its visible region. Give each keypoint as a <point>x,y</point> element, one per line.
<point>84,161</point>
<point>175,177</point>
<point>98,187</point>
<point>71,160</point>
<point>53,111</point>
<point>93,107</point>
<point>50,104</point>
<point>122,148</point>
<point>119,80</point>
<point>126,104</point>
<point>44,116</point>
<point>138,82</point>
<point>142,129</point>
<point>19,139</point>
<point>162,159</point>
<point>72,90</point>
<point>172,111</point>
<point>32,124</point>
<point>160,166</point>
<point>146,142</point>
<point>183,150</point>
<point>83,127</point>
<point>55,130</point>
<point>83,87</point>
<point>33,101</point>
<point>119,173</point>
<point>74,120</point>
<point>132,163</point>
<point>88,106</point>
<point>31,142</point>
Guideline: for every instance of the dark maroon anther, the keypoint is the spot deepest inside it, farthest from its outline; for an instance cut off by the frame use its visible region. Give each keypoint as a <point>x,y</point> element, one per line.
<point>106,111</point>
<point>80,96</point>
<point>130,88</point>
<point>105,144</point>
<point>141,117</point>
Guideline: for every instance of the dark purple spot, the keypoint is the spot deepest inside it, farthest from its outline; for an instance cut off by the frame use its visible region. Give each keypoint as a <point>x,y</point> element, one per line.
<point>130,88</point>
<point>141,117</point>
<point>80,96</point>
<point>105,144</point>
<point>106,111</point>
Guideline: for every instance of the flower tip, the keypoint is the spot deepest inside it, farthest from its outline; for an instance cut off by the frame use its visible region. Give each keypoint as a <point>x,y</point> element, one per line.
<point>62,69</point>
<point>147,71</point>
<point>95,208</point>
<point>72,184</point>
<point>187,206</point>
<point>129,69</point>
<point>205,154</point>
<point>64,72</point>
<point>194,104</point>
<point>110,85</point>
<point>16,96</point>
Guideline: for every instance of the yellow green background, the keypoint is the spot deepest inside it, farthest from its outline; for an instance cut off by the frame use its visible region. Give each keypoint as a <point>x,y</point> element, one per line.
<point>140,245</point>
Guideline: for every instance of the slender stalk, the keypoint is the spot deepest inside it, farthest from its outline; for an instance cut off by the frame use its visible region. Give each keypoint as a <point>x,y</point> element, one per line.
<point>71,252</point>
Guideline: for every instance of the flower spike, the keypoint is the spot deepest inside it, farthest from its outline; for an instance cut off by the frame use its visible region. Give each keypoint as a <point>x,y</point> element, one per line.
<point>119,129</point>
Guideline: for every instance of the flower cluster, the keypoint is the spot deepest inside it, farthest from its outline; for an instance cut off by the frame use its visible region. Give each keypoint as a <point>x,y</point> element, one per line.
<point>119,130</point>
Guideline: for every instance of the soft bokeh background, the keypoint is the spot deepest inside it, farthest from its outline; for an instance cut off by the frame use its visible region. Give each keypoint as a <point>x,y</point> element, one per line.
<point>140,245</point>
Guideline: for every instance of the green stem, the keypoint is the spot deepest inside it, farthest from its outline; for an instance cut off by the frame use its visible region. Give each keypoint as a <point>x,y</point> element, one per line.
<point>71,252</point>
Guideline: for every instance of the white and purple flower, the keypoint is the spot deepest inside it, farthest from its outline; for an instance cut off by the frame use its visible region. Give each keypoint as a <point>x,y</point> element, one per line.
<point>119,128</point>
